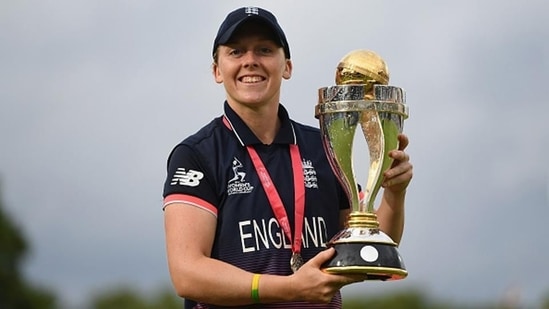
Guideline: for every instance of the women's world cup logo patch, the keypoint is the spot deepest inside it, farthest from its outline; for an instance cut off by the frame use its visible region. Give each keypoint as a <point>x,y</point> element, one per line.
<point>238,184</point>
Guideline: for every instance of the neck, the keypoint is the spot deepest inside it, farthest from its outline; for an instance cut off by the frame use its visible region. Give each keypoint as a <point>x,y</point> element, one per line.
<point>265,130</point>
<point>263,122</point>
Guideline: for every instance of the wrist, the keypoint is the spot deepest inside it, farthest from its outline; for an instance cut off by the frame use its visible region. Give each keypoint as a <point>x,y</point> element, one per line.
<point>276,288</point>
<point>292,288</point>
<point>394,196</point>
<point>255,288</point>
<point>394,200</point>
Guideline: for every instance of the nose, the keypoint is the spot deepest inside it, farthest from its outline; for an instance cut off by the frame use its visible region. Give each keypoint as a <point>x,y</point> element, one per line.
<point>250,59</point>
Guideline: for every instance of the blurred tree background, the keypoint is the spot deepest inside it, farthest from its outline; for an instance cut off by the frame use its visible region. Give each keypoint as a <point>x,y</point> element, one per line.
<point>15,291</point>
<point>18,293</point>
<point>125,297</point>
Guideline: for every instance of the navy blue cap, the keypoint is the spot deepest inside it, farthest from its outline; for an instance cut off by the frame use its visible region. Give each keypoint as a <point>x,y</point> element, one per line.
<point>238,16</point>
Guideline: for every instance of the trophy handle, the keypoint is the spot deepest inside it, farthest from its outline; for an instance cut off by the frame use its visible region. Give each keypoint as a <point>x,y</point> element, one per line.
<point>338,131</point>
<point>381,129</point>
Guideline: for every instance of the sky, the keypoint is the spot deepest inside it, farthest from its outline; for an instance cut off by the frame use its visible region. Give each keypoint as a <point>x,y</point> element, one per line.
<point>94,95</point>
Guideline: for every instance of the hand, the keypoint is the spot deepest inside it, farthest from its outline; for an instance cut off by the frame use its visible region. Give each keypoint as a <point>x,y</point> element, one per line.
<point>399,175</point>
<point>317,286</point>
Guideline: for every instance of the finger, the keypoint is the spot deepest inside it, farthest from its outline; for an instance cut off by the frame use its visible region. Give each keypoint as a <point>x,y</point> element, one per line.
<point>399,155</point>
<point>398,179</point>
<point>349,278</point>
<point>402,141</point>
<point>322,257</point>
<point>357,278</point>
<point>398,169</point>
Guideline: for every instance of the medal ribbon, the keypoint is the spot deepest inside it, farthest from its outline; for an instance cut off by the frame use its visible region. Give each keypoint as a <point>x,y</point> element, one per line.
<point>274,197</point>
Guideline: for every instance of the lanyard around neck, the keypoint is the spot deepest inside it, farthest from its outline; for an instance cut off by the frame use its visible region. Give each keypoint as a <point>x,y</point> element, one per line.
<point>274,197</point>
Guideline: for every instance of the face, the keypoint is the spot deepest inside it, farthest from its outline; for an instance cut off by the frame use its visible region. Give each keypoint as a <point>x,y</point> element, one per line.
<point>251,67</point>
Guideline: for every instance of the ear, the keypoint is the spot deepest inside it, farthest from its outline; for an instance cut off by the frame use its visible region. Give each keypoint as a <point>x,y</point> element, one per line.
<point>287,70</point>
<point>217,75</point>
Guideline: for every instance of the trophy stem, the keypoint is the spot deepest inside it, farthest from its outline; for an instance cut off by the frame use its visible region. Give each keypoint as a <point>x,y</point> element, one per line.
<point>363,219</point>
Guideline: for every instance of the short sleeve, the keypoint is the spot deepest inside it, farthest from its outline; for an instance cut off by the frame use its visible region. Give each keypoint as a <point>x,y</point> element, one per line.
<point>190,178</point>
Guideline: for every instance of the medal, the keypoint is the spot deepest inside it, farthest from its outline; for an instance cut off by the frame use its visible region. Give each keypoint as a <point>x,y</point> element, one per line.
<point>296,261</point>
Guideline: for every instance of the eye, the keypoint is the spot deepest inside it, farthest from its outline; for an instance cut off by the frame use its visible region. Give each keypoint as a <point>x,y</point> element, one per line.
<point>265,50</point>
<point>236,52</point>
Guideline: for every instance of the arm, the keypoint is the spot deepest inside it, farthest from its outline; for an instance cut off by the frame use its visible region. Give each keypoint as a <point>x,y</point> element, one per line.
<point>190,234</point>
<point>396,179</point>
<point>189,237</point>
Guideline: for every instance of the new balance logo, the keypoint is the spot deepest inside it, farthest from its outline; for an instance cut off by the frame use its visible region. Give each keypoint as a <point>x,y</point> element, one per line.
<point>189,178</point>
<point>252,10</point>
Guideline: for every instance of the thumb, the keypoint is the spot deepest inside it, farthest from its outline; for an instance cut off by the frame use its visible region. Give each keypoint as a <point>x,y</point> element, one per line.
<point>322,257</point>
<point>403,141</point>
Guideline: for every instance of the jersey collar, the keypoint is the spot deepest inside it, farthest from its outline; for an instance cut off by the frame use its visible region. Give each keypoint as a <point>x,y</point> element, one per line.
<point>286,134</point>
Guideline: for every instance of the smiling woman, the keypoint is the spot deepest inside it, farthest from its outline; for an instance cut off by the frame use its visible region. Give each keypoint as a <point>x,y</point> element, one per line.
<point>250,199</point>
<point>251,66</point>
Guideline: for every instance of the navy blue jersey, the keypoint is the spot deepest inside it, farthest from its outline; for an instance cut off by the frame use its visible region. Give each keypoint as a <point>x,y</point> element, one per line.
<point>213,170</point>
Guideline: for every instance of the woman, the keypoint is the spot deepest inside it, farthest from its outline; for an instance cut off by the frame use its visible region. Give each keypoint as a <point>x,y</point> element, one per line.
<point>236,193</point>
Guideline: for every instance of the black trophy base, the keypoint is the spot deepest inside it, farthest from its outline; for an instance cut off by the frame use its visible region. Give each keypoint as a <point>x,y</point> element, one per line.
<point>378,261</point>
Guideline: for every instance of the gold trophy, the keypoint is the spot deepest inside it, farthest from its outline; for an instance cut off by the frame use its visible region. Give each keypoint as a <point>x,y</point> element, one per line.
<point>362,95</point>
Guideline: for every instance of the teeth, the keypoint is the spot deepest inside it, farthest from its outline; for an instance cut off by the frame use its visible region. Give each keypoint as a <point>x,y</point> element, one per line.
<point>251,79</point>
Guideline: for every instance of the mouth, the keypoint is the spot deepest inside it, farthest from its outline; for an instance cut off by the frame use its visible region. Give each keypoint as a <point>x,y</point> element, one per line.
<point>251,79</point>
